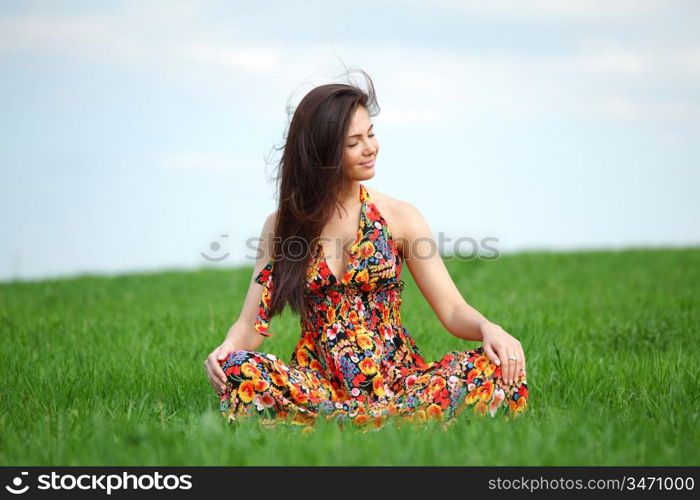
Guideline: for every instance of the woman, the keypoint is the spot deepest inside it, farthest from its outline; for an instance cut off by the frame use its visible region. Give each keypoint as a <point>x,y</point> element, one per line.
<point>354,360</point>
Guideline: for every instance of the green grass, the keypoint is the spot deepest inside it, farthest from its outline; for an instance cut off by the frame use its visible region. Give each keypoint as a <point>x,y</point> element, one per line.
<point>102,370</point>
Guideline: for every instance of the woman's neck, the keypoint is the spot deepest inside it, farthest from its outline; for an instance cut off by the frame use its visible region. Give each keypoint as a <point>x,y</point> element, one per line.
<point>350,194</point>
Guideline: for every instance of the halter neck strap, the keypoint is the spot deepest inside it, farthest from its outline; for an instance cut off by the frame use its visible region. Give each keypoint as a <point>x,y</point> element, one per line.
<point>264,277</point>
<point>364,194</point>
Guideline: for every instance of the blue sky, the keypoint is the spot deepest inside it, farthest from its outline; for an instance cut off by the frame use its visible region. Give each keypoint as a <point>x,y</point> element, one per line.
<point>135,134</point>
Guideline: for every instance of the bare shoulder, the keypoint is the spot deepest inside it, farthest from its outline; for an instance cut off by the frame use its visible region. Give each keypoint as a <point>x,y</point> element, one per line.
<point>398,214</point>
<point>394,206</point>
<point>270,221</point>
<point>267,233</point>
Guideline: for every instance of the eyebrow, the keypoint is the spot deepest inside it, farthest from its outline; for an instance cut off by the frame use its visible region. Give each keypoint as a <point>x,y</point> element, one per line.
<point>358,135</point>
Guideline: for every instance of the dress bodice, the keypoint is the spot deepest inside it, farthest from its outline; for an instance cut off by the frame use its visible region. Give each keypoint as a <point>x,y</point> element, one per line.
<point>353,325</point>
<point>371,284</point>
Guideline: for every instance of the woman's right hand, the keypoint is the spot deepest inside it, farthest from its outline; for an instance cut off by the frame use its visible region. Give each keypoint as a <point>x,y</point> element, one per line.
<point>212,365</point>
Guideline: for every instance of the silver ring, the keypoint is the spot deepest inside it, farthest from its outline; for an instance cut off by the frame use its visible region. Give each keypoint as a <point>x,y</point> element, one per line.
<point>513,358</point>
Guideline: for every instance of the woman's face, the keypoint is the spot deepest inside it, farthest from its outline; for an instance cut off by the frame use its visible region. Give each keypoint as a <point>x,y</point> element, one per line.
<point>360,147</point>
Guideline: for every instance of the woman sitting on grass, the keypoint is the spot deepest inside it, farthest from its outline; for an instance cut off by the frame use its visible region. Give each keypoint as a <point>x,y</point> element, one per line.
<point>354,360</point>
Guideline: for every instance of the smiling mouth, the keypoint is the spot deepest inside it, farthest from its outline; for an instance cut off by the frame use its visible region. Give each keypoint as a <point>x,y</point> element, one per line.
<point>368,162</point>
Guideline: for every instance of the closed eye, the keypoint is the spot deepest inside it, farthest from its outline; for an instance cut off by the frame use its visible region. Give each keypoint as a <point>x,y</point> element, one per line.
<point>353,145</point>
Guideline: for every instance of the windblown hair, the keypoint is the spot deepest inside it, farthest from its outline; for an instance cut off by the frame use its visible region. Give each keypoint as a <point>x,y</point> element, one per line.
<point>310,181</point>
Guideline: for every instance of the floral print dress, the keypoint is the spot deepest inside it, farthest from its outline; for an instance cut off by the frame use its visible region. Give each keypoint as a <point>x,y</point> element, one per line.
<point>354,361</point>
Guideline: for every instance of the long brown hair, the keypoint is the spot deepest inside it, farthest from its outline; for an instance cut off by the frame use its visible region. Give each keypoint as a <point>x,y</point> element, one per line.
<point>310,181</point>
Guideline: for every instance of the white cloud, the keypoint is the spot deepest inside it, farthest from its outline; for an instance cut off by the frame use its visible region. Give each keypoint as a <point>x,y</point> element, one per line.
<point>247,59</point>
<point>105,37</point>
<point>614,78</point>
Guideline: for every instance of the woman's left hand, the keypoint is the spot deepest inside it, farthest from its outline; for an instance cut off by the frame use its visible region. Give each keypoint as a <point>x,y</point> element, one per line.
<point>499,346</point>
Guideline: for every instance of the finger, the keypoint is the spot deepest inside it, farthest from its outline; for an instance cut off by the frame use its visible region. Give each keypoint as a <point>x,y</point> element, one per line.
<point>218,367</point>
<point>522,357</point>
<point>519,370</point>
<point>217,380</point>
<point>504,367</point>
<point>510,370</point>
<point>220,353</point>
<point>503,356</point>
<point>517,366</point>
<point>221,374</point>
<point>492,354</point>
<point>212,381</point>
<point>216,370</point>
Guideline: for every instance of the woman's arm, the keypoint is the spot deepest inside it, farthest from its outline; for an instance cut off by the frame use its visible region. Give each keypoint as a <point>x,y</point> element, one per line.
<point>242,333</point>
<point>422,256</point>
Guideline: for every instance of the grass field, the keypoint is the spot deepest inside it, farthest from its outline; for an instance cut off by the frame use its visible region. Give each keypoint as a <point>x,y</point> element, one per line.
<point>108,370</point>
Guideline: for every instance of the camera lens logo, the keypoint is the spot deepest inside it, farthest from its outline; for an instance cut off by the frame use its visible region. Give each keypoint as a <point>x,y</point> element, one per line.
<point>17,482</point>
<point>215,247</point>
